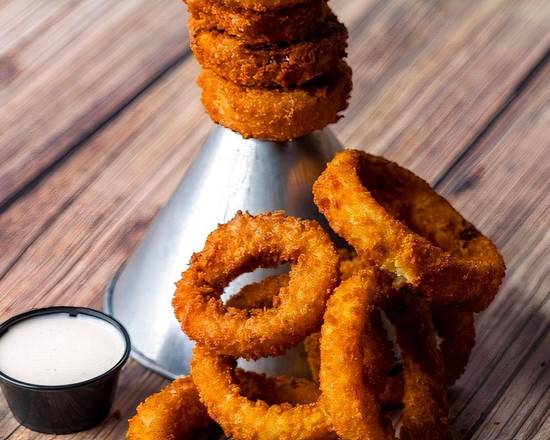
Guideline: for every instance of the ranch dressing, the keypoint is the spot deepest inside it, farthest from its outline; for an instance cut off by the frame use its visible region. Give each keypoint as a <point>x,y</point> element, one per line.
<point>59,349</point>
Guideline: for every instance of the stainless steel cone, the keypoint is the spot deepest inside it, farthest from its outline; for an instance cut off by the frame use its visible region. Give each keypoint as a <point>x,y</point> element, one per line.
<point>229,174</point>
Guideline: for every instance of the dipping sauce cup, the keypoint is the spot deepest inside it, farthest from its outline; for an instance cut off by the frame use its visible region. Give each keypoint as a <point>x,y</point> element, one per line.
<point>59,367</point>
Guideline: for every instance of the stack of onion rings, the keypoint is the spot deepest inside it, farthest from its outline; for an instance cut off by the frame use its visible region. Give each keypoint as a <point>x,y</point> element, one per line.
<point>407,239</point>
<point>278,81</point>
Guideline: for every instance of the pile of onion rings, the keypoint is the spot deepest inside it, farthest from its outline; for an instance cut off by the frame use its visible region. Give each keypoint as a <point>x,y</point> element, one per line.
<point>407,242</point>
<point>272,69</point>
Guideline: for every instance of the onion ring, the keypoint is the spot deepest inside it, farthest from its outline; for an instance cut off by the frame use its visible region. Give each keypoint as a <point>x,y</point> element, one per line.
<point>248,419</point>
<point>175,412</point>
<point>254,28</point>
<point>349,397</point>
<point>389,391</point>
<point>426,408</point>
<point>262,5</point>
<point>396,220</point>
<point>276,114</point>
<point>454,326</point>
<point>239,246</point>
<point>274,65</point>
<point>350,400</point>
<point>264,295</point>
<point>261,295</point>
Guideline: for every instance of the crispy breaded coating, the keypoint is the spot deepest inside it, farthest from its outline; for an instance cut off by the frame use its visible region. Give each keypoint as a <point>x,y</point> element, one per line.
<point>395,219</point>
<point>248,419</point>
<point>263,5</point>
<point>271,65</point>
<point>277,114</point>
<point>174,413</point>
<point>242,245</point>
<point>253,28</point>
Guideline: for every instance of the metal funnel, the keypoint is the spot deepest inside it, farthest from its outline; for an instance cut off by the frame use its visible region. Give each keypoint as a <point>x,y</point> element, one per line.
<point>229,174</point>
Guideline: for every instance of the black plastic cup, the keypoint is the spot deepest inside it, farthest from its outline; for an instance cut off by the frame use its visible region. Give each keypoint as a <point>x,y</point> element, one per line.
<point>63,409</point>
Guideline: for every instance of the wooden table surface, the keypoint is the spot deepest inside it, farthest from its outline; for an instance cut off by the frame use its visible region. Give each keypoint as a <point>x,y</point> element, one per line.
<point>100,116</point>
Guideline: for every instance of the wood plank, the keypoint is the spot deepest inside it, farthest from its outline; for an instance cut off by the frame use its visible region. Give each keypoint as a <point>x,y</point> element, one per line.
<point>503,185</point>
<point>132,185</point>
<point>428,75</point>
<point>544,432</point>
<point>530,405</point>
<point>67,66</point>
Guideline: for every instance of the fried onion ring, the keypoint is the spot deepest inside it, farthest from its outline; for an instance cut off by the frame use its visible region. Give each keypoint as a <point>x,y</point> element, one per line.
<point>426,408</point>
<point>347,396</point>
<point>262,5</point>
<point>175,413</point>
<point>277,114</point>
<point>254,28</point>
<point>261,295</point>
<point>264,295</point>
<point>274,65</point>
<point>242,245</point>
<point>396,220</point>
<point>248,419</point>
<point>389,391</point>
<point>454,326</point>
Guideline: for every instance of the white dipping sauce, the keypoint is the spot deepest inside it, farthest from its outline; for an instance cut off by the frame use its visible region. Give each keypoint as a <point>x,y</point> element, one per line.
<point>59,349</point>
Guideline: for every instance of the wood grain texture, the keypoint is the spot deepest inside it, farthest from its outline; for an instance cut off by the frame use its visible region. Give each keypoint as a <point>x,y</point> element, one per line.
<point>115,201</point>
<point>503,184</point>
<point>67,66</point>
<point>430,76</point>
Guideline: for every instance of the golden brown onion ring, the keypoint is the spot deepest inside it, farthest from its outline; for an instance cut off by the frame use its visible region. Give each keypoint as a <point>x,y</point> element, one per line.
<point>240,246</point>
<point>348,394</point>
<point>175,413</point>
<point>348,397</point>
<point>274,65</point>
<point>277,114</point>
<point>426,409</point>
<point>389,391</point>
<point>396,220</point>
<point>261,295</point>
<point>454,326</point>
<point>248,419</point>
<point>262,5</point>
<point>264,294</point>
<point>254,28</point>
